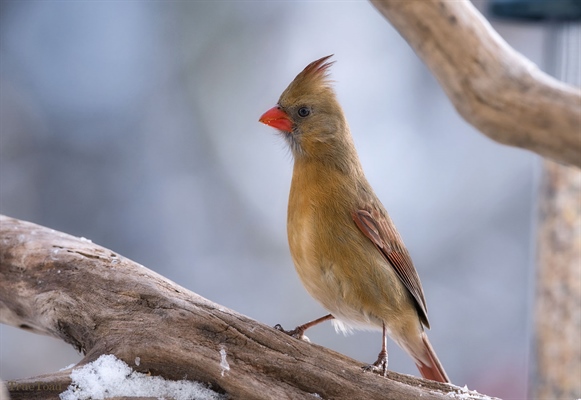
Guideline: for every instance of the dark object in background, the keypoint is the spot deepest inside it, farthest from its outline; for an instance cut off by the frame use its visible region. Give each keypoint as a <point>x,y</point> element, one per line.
<point>537,10</point>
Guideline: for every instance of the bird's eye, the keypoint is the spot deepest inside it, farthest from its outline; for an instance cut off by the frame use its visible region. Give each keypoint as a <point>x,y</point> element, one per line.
<point>304,112</point>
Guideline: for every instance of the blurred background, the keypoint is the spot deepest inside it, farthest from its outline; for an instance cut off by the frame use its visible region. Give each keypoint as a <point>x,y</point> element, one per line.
<point>135,124</point>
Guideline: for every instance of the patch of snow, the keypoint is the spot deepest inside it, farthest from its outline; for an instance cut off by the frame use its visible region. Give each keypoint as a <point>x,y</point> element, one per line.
<point>223,363</point>
<point>465,393</point>
<point>110,377</point>
<point>67,367</point>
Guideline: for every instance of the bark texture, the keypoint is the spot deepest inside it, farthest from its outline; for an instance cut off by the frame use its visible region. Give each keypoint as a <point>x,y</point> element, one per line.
<point>493,87</point>
<point>55,284</point>
<point>558,297</point>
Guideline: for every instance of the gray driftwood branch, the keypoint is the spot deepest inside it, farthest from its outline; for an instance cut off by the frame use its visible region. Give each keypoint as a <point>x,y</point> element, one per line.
<point>496,89</point>
<point>58,285</point>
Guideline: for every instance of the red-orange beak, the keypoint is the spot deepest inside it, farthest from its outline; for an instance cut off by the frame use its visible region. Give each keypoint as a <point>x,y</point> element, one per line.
<point>278,119</point>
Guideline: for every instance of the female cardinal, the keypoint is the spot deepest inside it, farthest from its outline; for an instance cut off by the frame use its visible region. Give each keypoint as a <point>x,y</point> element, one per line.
<point>346,250</point>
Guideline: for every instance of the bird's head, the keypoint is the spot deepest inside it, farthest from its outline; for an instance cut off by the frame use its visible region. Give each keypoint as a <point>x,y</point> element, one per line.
<point>309,116</point>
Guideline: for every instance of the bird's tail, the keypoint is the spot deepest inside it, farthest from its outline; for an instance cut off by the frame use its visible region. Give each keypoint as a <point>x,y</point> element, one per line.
<point>434,370</point>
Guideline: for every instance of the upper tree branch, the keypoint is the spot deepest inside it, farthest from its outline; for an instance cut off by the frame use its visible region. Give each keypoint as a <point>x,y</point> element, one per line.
<point>493,87</point>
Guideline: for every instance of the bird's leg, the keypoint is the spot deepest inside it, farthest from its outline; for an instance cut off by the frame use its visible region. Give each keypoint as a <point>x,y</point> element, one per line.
<point>381,364</point>
<point>299,331</point>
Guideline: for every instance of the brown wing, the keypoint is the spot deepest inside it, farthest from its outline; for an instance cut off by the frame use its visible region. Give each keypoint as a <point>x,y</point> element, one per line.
<point>382,233</point>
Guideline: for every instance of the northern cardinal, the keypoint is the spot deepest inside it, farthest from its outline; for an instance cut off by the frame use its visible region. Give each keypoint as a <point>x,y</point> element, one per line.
<point>346,250</point>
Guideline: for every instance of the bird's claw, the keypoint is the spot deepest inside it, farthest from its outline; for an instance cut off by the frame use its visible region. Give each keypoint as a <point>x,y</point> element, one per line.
<point>381,370</point>
<point>297,333</point>
<point>379,366</point>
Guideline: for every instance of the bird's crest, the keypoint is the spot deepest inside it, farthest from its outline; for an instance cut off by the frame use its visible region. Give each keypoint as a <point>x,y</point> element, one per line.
<point>315,74</point>
<point>318,69</point>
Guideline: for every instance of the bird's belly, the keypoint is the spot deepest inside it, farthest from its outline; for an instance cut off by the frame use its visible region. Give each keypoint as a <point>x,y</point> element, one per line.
<point>339,296</point>
<point>362,295</point>
<point>344,272</point>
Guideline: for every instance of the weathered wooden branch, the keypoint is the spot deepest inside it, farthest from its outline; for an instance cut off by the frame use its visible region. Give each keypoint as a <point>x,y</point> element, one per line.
<point>102,303</point>
<point>493,87</point>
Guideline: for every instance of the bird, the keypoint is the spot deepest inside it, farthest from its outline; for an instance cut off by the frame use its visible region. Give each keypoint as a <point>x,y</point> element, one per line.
<point>345,248</point>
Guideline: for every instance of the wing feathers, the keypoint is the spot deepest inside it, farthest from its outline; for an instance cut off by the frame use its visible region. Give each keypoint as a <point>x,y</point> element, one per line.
<point>378,229</point>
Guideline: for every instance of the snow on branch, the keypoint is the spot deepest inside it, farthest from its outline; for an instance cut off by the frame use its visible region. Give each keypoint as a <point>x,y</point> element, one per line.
<point>102,303</point>
<point>493,87</point>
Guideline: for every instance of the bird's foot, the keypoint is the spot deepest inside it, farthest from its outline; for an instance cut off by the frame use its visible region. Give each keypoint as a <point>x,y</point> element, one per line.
<point>297,333</point>
<point>379,366</point>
